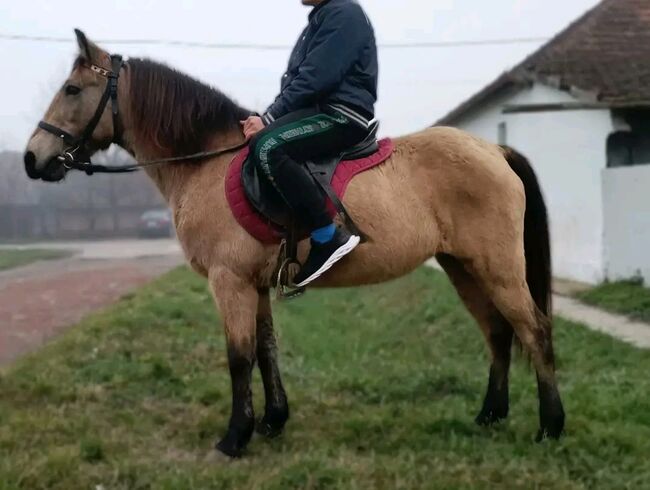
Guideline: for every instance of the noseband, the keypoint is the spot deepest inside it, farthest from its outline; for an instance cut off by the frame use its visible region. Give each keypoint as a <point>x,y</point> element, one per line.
<point>76,155</point>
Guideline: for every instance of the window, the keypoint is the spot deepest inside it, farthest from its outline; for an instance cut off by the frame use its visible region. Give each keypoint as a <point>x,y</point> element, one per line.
<point>630,147</point>
<point>503,133</point>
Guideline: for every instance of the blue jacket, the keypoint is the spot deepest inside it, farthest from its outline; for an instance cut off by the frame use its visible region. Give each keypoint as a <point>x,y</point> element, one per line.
<point>334,63</point>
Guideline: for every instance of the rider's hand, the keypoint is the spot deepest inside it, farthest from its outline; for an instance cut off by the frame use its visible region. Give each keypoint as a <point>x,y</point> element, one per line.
<point>252,126</point>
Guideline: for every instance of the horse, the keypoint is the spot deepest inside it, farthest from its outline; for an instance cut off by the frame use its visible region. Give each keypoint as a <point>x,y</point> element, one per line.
<point>474,206</point>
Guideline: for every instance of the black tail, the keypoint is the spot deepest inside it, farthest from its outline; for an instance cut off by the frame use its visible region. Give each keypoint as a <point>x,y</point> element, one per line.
<point>537,243</point>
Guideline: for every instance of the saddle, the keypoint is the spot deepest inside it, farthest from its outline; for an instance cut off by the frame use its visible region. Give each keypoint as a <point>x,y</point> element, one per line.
<point>262,212</point>
<point>266,200</point>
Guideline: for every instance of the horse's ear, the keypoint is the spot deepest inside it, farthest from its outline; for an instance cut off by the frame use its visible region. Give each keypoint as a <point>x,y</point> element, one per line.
<point>87,49</point>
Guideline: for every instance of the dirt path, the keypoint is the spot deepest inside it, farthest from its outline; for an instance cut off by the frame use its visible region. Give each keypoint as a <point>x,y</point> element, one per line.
<point>39,301</point>
<point>618,326</point>
<point>635,333</point>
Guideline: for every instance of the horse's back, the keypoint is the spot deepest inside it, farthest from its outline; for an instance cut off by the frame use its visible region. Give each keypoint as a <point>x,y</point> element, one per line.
<point>441,187</point>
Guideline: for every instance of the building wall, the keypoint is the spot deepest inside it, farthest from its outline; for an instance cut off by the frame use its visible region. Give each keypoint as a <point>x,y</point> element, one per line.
<point>627,222</point>
<point>568,151</point>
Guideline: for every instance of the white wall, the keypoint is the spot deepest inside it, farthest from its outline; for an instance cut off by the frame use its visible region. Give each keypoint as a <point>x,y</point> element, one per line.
<point>568,151</point>
<point>627,222</point>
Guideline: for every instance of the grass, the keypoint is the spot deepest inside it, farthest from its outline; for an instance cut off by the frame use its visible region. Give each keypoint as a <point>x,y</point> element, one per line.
<point>383,384</point>
<point>11,258</point>
<point>629,298</point>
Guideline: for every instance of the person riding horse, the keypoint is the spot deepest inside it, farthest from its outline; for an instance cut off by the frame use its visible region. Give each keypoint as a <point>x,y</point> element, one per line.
<point>499,259</point>
<point>326,106</point>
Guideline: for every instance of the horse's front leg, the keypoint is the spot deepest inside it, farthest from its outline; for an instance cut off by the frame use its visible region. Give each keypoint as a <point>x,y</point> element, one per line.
<point>237,300</point>
<point>276,408</point>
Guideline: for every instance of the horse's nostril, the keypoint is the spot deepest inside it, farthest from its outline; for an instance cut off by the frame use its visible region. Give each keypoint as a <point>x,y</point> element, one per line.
<point>30,165</point>
<point>30,159</point>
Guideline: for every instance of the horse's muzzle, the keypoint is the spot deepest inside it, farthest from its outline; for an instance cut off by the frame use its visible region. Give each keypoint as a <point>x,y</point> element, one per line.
<point>53,171</point>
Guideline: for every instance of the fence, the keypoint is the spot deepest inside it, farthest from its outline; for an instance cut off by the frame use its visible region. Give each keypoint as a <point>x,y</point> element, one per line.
<point>28,222</point>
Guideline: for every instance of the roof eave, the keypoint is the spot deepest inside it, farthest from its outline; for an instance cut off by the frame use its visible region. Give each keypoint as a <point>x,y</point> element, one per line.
<point>504,82</point>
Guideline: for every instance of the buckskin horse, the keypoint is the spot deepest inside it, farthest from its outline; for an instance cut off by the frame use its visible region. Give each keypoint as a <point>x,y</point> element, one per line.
<point>475,206</point>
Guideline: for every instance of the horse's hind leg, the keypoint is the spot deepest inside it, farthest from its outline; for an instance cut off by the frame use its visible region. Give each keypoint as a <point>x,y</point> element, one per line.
<point>276,408</point>
<point>503,277</point>
<point>498,334</point>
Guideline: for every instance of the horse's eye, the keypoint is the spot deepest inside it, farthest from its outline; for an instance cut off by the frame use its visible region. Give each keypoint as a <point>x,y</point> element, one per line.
<point>72,90</point>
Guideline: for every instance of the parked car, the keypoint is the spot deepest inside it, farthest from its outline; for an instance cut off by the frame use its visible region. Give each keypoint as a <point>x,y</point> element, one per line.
<point>156,223</point>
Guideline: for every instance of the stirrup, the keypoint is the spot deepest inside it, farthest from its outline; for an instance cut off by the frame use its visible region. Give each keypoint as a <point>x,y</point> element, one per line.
<point>284,289</point>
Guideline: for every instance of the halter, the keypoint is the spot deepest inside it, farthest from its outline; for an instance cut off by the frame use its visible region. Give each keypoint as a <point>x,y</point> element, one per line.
<point>76,155</point>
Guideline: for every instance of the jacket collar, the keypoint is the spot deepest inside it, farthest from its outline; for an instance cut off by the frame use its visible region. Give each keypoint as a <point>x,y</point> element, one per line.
<point>317,9</point>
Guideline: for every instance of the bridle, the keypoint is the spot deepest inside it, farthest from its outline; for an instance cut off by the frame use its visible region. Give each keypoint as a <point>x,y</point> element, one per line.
<point>77,155</point>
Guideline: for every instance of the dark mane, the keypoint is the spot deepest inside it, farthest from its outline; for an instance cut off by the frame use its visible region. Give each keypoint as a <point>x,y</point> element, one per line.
<point>175,111</point>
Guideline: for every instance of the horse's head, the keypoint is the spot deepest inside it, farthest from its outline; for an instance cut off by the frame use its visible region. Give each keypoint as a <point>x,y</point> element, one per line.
<point>84,100</point>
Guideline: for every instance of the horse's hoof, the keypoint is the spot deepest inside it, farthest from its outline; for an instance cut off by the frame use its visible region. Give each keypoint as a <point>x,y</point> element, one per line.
<point>487,419</point>
<point>492,414</point>
<point>229,449</point>
<point>272,424</point>
<point>235,441</point>
<point>215,458</point>
<point>267,430</point>
<point>552,429</point>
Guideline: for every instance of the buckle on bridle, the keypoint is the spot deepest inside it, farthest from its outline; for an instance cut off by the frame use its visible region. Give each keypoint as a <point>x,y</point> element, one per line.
<point>66,159</point>
<point>70,161</point>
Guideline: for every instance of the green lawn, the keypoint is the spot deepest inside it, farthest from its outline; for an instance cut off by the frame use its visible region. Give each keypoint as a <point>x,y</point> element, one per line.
<point>384,383</point>
<point>630,298</point>
<point>10,258</point>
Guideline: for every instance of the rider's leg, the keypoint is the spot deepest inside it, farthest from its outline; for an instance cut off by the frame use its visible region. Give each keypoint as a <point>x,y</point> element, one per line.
<point>278,151</point>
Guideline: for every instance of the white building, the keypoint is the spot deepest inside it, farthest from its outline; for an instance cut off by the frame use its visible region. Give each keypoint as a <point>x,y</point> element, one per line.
<point>579,110</point>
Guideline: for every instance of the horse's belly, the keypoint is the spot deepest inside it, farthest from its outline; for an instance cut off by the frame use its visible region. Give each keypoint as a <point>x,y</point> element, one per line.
<point>402,230</point>
<point>370,264</point>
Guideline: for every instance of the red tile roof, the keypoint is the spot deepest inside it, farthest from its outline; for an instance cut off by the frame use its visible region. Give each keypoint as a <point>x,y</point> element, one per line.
<point>606,52</point>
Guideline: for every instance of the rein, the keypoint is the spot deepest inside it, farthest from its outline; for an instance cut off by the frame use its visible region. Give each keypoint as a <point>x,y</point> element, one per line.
<point>91,168</point>
<point>76,156</point>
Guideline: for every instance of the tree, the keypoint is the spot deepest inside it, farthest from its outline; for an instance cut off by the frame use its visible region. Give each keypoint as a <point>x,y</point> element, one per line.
<point>15,186</point>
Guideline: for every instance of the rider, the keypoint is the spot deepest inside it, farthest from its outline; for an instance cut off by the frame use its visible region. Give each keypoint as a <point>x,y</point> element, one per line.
<point>325,106</point>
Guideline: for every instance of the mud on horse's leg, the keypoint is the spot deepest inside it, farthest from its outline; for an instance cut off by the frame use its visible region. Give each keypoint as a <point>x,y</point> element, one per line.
<point>276,408</point>
<point>496,402</point>
<point>237,302</point>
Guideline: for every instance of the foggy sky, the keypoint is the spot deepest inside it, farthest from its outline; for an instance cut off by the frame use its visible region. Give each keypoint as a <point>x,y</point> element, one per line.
<point>417,86</point>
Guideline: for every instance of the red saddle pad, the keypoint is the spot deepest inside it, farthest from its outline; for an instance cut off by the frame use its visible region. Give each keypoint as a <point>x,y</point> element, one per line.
<point>258,226</point>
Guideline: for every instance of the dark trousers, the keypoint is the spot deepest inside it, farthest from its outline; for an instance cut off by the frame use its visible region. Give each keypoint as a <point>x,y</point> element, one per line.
<point>281,148</point>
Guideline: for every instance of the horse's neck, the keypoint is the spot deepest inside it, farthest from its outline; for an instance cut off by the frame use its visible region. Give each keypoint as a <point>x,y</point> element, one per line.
<point>171,179</point>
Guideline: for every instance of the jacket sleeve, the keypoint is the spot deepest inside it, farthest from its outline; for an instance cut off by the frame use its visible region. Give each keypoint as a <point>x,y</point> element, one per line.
<point>334,51</point>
